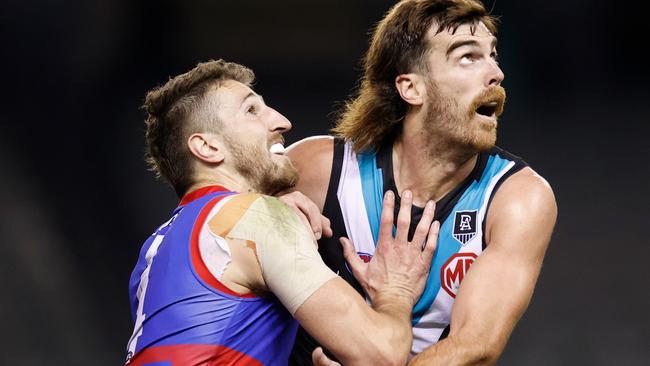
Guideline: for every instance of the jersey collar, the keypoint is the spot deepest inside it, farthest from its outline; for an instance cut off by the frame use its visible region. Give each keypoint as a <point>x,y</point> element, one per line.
<point>200,192</point>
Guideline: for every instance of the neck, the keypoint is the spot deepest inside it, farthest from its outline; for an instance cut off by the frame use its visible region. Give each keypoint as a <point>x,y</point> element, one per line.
<point>429,168</point>
<point>232,181</point>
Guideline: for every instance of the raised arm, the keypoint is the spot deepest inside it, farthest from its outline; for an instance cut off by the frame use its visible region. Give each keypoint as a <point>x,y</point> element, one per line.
<point>499,286</point>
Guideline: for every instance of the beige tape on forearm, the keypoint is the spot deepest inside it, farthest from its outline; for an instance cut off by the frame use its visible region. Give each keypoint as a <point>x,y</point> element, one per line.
<point>291,266</point>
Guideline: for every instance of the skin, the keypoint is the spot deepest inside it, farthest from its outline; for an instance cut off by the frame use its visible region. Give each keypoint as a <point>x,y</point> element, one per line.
<point>261,126</point>
<point>335,314</point>
<point>498,288</point>
<point>250,124</point>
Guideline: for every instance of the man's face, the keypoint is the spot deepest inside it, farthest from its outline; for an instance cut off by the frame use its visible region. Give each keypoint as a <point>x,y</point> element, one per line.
<point>252,133</point>
<point>464,93</point>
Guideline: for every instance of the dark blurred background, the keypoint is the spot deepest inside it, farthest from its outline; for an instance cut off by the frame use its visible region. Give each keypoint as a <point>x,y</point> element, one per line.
<point>77,200</point>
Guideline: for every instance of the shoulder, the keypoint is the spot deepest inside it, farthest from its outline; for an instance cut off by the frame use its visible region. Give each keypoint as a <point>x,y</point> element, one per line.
<point>272,207</point>
<point>260,219</point>
<point>312,157</point>
<point>320,146</point>
<point>528,189</point>
<point>525,202</point>
<point>256,204</point>
<point>250,209</point>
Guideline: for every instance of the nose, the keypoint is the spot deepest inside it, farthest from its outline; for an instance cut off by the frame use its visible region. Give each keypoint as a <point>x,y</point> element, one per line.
<point>495,76</point>
<point>279,123</point>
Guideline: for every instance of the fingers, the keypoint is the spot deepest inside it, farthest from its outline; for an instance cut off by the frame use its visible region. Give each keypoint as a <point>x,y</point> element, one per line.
<point>431,244</point>
<point>356,264</point>
<point>386,223</point>
<point>404,217</point>
<point>308,209</point>
<point>318,358</point>
<point>423,226</point>
<point>326,225</point>
<point>312,212</point>
<point>304,220</point>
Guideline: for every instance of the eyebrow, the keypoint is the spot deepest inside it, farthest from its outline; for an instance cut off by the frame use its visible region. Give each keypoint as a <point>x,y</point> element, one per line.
<point>252,94</point>
<point>467,42</point>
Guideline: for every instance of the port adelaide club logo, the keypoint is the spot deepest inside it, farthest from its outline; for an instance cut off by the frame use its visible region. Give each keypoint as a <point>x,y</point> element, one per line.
<point>465,226</point>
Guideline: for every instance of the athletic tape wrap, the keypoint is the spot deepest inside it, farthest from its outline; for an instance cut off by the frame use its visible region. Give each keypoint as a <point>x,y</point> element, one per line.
<point>291,266</point>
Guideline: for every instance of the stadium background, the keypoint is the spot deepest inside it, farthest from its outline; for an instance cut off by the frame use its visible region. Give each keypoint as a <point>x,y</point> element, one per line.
<point>77,201</point>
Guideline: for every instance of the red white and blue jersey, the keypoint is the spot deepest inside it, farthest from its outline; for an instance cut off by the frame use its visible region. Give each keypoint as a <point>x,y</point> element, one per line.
<point>185,316</point>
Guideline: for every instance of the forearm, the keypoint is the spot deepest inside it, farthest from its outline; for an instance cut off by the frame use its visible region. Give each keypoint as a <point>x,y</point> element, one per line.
<point>396,307</point>
<point>386,340</point>
<point>393,323</point>
<point>338,318</point>
<point>451,351</point>
<point>484,315</point>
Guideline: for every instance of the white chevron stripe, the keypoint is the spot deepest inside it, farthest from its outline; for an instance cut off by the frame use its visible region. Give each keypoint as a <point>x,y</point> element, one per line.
<point>353,207</point>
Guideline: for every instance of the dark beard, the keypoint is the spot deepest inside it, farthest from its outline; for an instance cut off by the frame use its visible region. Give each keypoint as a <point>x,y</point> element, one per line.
<point>260,171</point>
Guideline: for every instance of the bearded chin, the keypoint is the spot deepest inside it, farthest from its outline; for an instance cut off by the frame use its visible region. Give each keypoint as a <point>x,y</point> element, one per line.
<point>474,138</point>
<point>450,128</point>
<point>485,140</point>
<point>260,171</point>
<point>277,179</point>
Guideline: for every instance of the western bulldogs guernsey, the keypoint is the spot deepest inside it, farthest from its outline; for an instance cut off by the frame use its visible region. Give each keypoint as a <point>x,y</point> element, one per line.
<point>184,316</point>
<point>353,204</point>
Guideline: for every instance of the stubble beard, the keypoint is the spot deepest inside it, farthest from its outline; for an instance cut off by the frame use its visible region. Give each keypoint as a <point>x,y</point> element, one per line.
<point>263,174</point>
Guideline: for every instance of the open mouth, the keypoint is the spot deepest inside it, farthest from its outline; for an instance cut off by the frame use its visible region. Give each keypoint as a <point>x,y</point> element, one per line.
<point>488,109</point>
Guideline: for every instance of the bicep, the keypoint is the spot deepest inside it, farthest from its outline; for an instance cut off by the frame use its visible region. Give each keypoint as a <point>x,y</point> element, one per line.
<point>500,284</point>
<point>493,295</point>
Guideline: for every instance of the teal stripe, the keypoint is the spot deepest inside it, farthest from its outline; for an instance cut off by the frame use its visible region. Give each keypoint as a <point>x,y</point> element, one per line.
<point>447,246</point>
<point>472,199</point>
<point>372,186</point>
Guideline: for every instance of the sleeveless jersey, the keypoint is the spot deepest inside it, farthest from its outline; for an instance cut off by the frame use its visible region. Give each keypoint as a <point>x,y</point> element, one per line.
<point>184,316</point>
<point>353,204</point>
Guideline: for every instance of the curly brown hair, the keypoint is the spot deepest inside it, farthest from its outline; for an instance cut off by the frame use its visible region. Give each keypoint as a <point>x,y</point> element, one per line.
<point>176,110</point>
<point>399,46</point>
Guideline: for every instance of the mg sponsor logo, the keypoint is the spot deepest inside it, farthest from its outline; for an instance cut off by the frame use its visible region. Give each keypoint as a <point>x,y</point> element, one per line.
<point>454,270</point>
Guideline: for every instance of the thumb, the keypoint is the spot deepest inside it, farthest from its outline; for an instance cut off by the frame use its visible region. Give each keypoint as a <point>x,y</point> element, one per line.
<point>318,358</point>
<point>356,264</point>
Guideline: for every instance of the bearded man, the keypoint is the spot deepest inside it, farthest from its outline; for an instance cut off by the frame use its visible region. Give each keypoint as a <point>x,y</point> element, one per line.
<point>424,120</point>
<point>223,279</point>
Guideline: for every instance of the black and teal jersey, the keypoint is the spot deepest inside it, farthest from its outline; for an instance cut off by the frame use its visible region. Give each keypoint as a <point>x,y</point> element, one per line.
<point>357,185</point>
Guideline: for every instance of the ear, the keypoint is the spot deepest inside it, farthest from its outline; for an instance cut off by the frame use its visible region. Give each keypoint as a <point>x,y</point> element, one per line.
<point>411,88</point>
<point>206,147</point>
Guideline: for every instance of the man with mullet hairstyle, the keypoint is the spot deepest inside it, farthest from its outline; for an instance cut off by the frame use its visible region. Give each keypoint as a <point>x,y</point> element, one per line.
<point>227,278</point>
<point>423,124</point>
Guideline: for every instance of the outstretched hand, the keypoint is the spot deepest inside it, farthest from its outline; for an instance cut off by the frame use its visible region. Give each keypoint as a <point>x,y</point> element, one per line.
<point>398,267</point>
